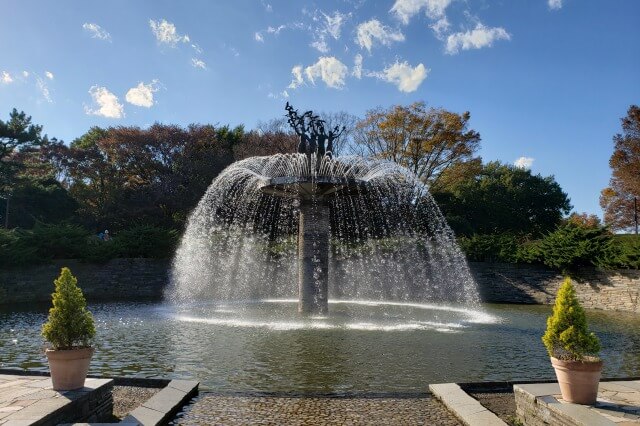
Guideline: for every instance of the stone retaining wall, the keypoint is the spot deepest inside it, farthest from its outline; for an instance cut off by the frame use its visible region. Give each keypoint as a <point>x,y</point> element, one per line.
<point>118,279</point>
<point>608,290</point>
<point>136,279</point>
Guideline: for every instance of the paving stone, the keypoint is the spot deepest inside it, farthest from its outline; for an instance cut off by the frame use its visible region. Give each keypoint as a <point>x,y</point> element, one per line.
<point>184,385</point>
<point>539,389</point>
<point>241,410</point>
<point>166,400</point>
<point>144,416</point>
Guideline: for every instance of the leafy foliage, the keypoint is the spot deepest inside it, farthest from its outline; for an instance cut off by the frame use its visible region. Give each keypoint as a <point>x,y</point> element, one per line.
<point>425,141</point>
<point>70,324</point>
<point>567,336</point>
<point>497,198</point>
<point>508,248</point>
<point>617,200</point>
<point>572,246</point>
<point>146,241</point>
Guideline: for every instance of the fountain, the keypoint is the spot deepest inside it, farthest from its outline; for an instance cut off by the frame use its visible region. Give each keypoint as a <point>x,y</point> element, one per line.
<point>366,229</point>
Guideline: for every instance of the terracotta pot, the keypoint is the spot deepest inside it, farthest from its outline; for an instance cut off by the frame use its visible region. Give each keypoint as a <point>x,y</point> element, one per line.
<point>69,367</point>
<point>578,380</point>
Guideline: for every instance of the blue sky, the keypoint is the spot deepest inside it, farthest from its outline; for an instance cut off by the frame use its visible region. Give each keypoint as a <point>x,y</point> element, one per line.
<point>547,80</point>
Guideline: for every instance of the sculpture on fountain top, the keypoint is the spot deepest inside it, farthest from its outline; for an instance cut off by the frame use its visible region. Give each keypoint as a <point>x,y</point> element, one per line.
<point>313,138</point>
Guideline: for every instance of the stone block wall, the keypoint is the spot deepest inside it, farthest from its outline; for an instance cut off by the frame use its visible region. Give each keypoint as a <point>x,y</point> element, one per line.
<point>138,279</point>
<point>596,289</point>
<point>118,279</point>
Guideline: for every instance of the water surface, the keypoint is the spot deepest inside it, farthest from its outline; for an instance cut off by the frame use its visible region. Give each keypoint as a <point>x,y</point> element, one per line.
<point>359,347</point>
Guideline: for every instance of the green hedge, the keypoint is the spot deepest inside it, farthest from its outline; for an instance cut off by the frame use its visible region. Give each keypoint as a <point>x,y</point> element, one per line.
<point>567,248</point>
<point>46,242</point>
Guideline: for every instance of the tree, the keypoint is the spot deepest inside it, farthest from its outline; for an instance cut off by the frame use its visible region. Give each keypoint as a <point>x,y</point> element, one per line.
<point>271,137</point>
<point>567,336</point>
<point>27,180</point>
<point>426,141</point>
<point>502,198</point>
<point>620,198</point>
<point>343,144</point>
<point>70,324</point>
<point>124,175</point>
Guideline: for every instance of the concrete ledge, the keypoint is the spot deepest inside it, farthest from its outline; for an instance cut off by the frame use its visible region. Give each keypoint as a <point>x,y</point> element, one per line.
<point>163,405</point>
<point>464,407</point>
<point>537,405</point>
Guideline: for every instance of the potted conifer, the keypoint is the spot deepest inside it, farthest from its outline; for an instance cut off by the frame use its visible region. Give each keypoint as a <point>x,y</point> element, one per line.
<point>572,348</point>
<point>69,330</point>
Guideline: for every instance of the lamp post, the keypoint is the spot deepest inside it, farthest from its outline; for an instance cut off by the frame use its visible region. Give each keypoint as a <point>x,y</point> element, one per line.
<point>635,212</point>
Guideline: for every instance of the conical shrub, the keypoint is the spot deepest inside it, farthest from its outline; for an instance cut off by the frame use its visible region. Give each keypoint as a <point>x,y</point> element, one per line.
<point>70,324</point>
<point>567,336</point>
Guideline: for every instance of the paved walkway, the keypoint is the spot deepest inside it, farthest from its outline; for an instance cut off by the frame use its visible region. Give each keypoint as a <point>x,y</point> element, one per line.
<point>210,409</point>
<point>27,400</point>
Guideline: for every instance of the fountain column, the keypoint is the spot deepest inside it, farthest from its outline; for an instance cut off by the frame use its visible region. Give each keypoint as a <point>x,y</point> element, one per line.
<point>313,257</point>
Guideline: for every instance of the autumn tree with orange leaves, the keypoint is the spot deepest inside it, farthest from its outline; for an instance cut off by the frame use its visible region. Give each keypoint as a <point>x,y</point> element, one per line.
<point>426,141</point>
<point>619,200</point>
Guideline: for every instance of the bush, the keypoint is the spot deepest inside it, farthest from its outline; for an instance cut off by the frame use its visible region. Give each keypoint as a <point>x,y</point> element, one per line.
<point>13,249</point>
<point>146,241</point>
<point>571,246</point>
<point>629,247</point>
<point>64,241</point>
<point>507,248</point>
<point>567,336</point>
<point>69,324</point>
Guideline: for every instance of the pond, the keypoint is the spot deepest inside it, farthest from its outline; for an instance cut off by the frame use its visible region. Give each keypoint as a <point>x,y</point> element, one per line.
<point>360,347</point>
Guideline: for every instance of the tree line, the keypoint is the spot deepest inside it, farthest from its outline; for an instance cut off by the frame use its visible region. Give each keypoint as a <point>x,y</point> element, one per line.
<point>122,177</point>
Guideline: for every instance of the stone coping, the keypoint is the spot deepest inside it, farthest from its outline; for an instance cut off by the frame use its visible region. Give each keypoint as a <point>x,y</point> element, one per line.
<point>464,407</point>
<point>142,382</point>
<point>618,403</point>
<point>31,400</point>
<point>162,406</point>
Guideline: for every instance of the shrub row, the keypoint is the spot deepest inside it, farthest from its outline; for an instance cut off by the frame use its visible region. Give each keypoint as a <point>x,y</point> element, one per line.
<point>569,247</point>
<point>45,242</point>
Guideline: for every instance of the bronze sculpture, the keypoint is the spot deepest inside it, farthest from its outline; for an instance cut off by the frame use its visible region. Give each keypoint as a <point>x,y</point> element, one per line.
<point>313,138</point>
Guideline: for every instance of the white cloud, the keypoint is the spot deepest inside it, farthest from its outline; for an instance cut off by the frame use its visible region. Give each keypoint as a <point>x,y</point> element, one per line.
<point>258,37</point>
<point>477,38</point>
<point>197,48</point>
<point>49,75</point>
<point>267,6</point>
<point>44,89</point>
<point>334,23</point>
<point>276,30</point>
<point>441,27</point>
<point>142,94</point>
<point>330,70</point>
<point>282,95</point>
<point>296,72</point>
<point>320,45</point>
<point>330,27</point>
<point>405,9</point>
<point>198,63</point>
<point>107,102</point>
<point>96,31</point>
<point>25,74</point>
<point>5,77</point>
<point>554,4</point>
<point>405,77</point>
<point>357,66</point>
<point>524,162</point>
<point>372,30</point>
<point>166,33</point>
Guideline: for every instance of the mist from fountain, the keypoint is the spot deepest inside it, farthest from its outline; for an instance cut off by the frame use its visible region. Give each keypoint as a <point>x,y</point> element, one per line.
<point>388,239</point>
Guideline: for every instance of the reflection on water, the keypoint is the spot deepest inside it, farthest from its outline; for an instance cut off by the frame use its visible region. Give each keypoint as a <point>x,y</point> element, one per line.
<point>363,347</point>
